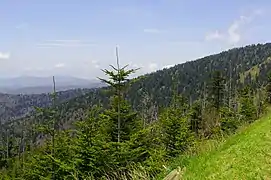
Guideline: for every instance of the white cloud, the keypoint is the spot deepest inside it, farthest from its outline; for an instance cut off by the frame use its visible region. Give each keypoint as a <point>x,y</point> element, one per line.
<point>4,55</point>
<point>95,63</point>
<point>233,35</point>
<point>216,35</point>
<point>91,63</point>
<point>135,65</point>
<point>60,65</point>
<point>64,43</point>
<point>235,28</point>
<point>143,68</point>
<point>153,66</point>
<point>152,30</point>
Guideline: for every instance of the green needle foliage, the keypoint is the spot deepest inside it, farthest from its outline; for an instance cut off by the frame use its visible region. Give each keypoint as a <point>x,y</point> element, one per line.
<point>119,111</point>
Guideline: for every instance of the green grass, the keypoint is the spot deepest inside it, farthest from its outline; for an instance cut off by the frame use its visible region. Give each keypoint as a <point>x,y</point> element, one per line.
<point>245,155</point>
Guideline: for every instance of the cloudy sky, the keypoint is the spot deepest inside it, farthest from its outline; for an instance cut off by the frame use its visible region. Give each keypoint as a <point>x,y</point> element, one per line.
<point>78,37</point>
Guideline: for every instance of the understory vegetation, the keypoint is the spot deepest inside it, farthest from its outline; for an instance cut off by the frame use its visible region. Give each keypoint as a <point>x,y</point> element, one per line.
<point>244,155</point>
<point>115,141</point>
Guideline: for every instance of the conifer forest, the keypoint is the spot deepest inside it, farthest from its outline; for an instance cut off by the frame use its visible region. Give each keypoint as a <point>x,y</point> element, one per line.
<point>133,128</point>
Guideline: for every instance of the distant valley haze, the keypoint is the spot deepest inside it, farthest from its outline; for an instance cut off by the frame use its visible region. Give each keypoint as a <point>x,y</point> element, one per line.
<point>36,84</point>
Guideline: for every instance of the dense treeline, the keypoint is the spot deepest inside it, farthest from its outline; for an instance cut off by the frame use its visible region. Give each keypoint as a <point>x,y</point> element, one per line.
<point>129,135</point>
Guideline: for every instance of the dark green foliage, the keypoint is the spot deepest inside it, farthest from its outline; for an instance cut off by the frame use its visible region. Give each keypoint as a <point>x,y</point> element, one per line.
<point>229,120</point>
<point>176,134</point>
<point>42,164</point>
<point>92,152</point>
<point>210,126</point>
<point>147,148</point>
<point>217,87</point>
<point>196,117</point>
<point>127,116</point>
<point>247,109</point>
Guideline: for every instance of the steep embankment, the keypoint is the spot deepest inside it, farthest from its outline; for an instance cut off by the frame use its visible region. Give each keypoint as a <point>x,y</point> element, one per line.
<point>246,155</point>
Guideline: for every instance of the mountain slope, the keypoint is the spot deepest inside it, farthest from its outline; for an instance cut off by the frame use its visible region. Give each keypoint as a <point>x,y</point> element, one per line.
<point>192,78</point>
<point>245,155</point>
<point>17,106</point>
<point>192,75</point>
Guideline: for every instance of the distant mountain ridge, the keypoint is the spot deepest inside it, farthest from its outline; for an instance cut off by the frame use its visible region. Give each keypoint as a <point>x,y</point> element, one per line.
<point>14,106</point>
<point>38,85</point>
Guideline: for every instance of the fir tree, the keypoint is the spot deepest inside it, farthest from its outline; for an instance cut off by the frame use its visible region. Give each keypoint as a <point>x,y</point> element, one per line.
<point>176,135</point>
<point>196,117</point>
<point>247,109</point>
<point>217,90</point>
<point>120,112</point>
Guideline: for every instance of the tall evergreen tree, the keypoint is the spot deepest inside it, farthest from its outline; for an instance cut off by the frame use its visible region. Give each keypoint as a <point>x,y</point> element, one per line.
<point>196,117</point>
<point>120,111</point>
<point>217,89</point>
<point>248,109</point>
<point>176,134</point>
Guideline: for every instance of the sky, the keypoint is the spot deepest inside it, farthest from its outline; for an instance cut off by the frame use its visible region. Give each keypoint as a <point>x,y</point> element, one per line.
<point>78,37</point>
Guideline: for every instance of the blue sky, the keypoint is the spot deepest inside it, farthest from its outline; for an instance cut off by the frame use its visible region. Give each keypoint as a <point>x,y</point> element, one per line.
<point>78,37</point>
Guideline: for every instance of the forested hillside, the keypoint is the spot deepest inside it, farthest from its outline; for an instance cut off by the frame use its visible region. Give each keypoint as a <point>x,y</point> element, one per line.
<point>17,106</point>
<point>239,67</point>
<point>246,65</point>
<point>139,124</point>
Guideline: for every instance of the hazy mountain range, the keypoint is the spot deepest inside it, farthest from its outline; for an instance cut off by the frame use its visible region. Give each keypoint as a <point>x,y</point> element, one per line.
<point>36,85</point>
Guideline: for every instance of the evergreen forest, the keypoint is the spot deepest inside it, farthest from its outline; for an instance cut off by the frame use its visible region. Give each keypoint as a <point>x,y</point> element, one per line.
<point>134,128</point>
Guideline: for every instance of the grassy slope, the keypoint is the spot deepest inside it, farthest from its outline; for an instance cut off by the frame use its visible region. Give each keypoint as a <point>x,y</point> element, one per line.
<point>246,155</point>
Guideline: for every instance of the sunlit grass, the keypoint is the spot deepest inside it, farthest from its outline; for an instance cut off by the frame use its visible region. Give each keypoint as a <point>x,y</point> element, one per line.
<point>246,155</point>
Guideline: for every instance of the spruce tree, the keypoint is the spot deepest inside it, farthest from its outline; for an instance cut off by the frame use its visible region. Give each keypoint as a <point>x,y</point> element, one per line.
<point>176,135</point>
<point>120,112</point>
<point>217,90</point>
<point>196,117</point>
<point>248,109</point>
